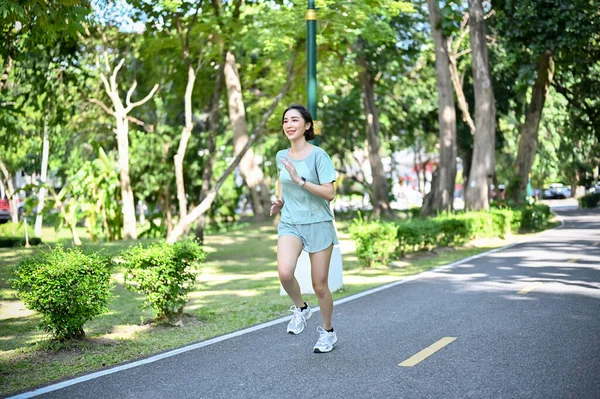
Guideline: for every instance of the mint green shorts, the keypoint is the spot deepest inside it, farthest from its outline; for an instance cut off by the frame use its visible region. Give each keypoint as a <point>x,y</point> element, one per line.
<point>315,237</point>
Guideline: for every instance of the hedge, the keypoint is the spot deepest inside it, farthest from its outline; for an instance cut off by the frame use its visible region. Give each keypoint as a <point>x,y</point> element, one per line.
<point>375,243</point>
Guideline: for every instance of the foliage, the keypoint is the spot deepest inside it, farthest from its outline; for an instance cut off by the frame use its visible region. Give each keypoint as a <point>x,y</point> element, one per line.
<point>535,217</point>
<point>591,200</point>
<point>67,287</point>
<point>164,272</point>
<point>375,241</point>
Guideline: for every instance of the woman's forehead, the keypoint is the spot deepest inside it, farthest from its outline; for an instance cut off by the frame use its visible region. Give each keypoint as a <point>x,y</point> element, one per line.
<point>292,113</point>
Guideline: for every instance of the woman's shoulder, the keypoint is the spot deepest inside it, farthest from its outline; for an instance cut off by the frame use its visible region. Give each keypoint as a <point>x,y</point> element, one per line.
<point>319,152</point>
<point>282,153</point>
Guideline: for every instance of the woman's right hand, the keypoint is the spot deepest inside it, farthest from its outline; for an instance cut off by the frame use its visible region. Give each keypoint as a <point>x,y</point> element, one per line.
<point>276,207</point>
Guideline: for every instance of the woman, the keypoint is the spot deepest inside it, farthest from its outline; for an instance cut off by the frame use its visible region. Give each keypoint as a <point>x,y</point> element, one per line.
<point>305,188</point>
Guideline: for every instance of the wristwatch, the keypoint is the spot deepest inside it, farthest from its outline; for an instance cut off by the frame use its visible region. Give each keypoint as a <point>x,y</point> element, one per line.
<point>302,182</point>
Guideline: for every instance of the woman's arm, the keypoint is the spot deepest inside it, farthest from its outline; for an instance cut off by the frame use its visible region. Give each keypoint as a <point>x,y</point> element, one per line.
<point>279,191</point>
<point>325,191</point>
<point>277,205</point>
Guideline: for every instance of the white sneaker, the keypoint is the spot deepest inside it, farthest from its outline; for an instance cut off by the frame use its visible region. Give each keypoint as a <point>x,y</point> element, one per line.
<point>299,318</point>
<point>326,341</point>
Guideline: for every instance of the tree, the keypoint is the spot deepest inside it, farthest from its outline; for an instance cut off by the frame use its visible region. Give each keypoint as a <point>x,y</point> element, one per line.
<point>441,196</point>
<point>120,112</point>
<point>381,188</point>
<point>184,224</point>
<point>483,163</point>
<point>546,34</point>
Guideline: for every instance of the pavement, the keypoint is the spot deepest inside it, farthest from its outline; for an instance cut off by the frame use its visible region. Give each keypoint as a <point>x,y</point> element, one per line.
<point>519,322</point>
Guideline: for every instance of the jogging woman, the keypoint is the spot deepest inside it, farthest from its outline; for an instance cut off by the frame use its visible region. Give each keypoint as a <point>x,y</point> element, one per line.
<point>305,188</point>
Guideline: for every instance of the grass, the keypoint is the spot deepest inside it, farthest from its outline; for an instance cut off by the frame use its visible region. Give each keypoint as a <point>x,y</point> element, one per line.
<point>238,287</point>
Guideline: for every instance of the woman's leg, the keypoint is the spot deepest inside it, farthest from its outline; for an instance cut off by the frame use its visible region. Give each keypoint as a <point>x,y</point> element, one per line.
<point>319,266</point>
<point>289,249</point>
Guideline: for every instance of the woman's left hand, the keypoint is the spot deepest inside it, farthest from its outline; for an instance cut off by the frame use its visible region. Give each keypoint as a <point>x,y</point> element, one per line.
<point>289,166</point>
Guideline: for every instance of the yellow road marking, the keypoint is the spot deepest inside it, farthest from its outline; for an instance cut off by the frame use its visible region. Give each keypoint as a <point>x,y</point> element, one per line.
<point>425,353</point>
<point>573,260</point>
<point>529,288</point>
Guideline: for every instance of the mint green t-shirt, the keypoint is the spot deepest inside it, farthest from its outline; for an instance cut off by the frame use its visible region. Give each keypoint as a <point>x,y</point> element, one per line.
<point>300,206</point>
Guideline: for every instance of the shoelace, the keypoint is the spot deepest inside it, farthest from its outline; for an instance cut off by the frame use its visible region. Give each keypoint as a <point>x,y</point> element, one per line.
<point>298,317</point>
<point>323,337</point>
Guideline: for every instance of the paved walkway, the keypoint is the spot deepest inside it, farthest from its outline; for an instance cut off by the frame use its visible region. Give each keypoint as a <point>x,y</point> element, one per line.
<point>522,322</point>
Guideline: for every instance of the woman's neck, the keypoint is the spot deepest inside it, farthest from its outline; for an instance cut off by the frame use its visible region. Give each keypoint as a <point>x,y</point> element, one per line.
<point>300,146</point>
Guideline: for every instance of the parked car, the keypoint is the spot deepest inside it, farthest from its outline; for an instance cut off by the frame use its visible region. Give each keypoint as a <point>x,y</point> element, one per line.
<point>4,211</point>
<point>595,188</point>
<point>556,191</point>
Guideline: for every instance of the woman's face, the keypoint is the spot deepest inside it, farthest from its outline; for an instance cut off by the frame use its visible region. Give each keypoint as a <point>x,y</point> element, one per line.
<point>294,125</point>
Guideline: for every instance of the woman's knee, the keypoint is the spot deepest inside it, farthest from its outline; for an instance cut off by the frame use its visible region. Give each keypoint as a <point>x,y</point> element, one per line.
<point>320,287</point>
<point>286,274</point>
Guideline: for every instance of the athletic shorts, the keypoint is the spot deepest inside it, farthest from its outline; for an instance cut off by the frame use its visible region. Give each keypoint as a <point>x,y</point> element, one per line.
<point>315,237</point>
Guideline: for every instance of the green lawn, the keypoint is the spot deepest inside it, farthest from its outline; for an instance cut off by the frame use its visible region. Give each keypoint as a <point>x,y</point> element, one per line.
<point>238,287</point>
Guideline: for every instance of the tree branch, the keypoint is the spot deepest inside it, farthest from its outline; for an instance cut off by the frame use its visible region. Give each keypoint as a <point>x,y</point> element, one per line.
<point>130,92</point>
<point>113,77</point>
<point>103,106</point>
<point>144,100</point>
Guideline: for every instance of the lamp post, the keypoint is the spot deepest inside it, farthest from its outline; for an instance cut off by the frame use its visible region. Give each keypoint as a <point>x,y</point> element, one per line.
<point>311,58</point>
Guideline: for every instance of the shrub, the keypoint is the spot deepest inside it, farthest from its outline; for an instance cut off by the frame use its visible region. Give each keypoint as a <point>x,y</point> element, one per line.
<point>68,288</point>
<point>416,234</point>
<point>590,200</point>
<point>535,217</point>
<point>508,220</point>
<point>375,241</point>
<point>164,272</point>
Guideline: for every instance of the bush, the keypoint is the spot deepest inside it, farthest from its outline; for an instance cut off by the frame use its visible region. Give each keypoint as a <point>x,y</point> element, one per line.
<point>509,220</point>
<point>590,200</point>
<point>416,234</point>
<point>164,272</point>
<point>375,241</point>
<point>9,242</point>
<point>535,217</point>
<point>68,288</point>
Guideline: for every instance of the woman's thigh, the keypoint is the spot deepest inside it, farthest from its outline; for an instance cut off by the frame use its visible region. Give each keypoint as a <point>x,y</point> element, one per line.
<point>319,265</point>
<point>289,249</point>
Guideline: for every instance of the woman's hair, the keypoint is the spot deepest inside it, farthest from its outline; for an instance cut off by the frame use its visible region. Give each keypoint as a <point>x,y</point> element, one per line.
<point>310,133</point>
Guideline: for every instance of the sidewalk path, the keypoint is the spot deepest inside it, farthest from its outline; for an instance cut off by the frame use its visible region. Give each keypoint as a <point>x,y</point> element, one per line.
<point>526,323</point>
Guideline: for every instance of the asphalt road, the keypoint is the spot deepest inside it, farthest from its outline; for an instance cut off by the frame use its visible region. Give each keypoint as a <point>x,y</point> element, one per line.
<point>526,323</point>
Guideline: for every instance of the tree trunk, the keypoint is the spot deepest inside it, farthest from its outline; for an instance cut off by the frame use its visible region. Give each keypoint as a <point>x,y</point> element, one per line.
<point>10,193</point>
<point>381,189</point>
<point>483,162</point>
<point>43,178</point>
<point>213,128</point>
<point>129,221</point>
<point>186,133</point>
<point>529,130</point>
<point>250,171</point>
<point>441,196</point>
<point>192,216</point>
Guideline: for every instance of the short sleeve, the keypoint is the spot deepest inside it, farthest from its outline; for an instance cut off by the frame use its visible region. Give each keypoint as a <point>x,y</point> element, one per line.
<point>325,169</point>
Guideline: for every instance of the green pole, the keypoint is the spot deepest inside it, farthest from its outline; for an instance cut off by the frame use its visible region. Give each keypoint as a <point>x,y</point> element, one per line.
<point>311,58</point>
